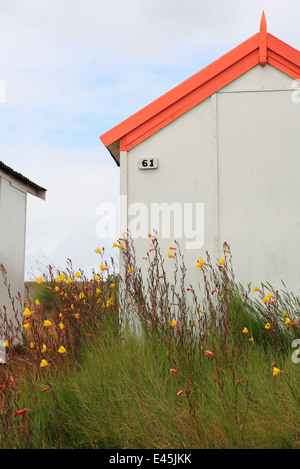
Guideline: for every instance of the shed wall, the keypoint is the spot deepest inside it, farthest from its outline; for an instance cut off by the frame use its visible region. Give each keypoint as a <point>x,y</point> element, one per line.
<point>237,153</point>
<point>12,240</point>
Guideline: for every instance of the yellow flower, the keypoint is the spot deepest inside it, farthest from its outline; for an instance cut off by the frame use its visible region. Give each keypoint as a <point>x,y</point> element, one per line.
<point>61,349</point>
<point>256,289</point>
<point>69,280</point>
<point>63,276</point>
<point>61,326</point>
<point>245,330</point>
<point>96,277</point>
<point>226,250</point>
<point>40,280</point>
<point>56,288</point>
<point>174,323</point>
<point>102,267</point>
<point>121,246</point>
<point>171,248</point>
<point>268,326</point>
<point>60,315</point>
<point>276,371</point>
<point>198,311</point>
<point>47,323</point>
<point>77,315</point>
<point>44,363</point>
<point>270,295</point>
<point>44,348</point>
<point>98,250</point>
<point>112,285</point>
<point>27,313</point>
<point>170,256</point>
<point>115,245</point>
<point>149,235</point>
<point>58,279</point>
<point>37,302</point>
<point>287,321</point>
<point>251,339</point>
<point>130,270</point>
<point>200,263</point>
<point>266,300</point>
<point>284,314</point>
<point>72,307</point>
<point>77,275</point>
<point>32,344</point>
<point>81,295</point>
<point>6,344</point>
<point>222,262</point>
<point>98,291</point>
<point>26,325</point>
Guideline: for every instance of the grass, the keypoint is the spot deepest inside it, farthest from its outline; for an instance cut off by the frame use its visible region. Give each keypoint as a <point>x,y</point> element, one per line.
<point>198,383</point>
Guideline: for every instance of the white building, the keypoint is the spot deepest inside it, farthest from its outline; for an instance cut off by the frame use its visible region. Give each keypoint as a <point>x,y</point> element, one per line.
<point>227,139</point>
<point>13,199</point>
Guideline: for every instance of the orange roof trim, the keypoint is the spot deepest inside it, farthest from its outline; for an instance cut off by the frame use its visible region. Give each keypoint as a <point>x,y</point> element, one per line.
<point>262,48</point>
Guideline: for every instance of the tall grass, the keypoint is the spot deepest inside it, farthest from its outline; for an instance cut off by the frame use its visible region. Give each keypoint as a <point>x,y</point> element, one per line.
<point>190,371</point>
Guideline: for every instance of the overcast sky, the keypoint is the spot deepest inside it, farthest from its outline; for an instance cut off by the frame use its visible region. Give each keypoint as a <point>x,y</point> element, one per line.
<point>74,69</point>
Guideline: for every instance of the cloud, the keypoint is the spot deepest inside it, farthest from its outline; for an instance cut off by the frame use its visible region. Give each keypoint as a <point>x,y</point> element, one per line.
<point>74,69</point>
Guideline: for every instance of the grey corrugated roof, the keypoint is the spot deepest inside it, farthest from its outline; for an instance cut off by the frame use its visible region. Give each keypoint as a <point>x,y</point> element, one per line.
<point>20,177</point>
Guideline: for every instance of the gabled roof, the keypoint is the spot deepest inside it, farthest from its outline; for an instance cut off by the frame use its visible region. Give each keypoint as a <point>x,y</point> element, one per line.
<point>262,48</point>
<point>32,187</point>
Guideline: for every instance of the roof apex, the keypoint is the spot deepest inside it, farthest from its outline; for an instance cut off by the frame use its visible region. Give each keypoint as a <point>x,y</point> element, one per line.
<point>260,49</point>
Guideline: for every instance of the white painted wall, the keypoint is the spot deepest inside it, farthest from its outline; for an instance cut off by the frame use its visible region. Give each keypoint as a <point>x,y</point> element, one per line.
<point>13,199</point>
<point>238,153</point>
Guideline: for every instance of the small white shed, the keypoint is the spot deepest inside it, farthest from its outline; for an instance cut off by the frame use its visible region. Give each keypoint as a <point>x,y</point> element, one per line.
<point>14,188</point>
<point>220,153</point>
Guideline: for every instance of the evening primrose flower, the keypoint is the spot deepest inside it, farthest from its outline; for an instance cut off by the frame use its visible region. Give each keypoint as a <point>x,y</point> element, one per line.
<point>96,278</point>
<point>115,245</point>
<point>61,326</point>
<point>102,267</point>
<point>270,295</point>
<point>47,323</point>
<point>171,248</point>
<point>32,344</point>
<point>268,326</point>
<point>27,313</point>
<point>62,349</point>
<point>69,280</point>
<point>174,323</point>
<point>97,250</point>
<point>170,256</point>
<point>287,321</point>
<point>200,263</point>
<point>256,288</point>
<point>222,261</point>
<point>77,275</point>
<point>251,339</point>
<point>44,348</point>
<point>130,270</point>
<point>44,363</point>
<point>266,300</point>
<point>81,295</point>
<point>63,276</point>
<point>39,280</point>
<point>245,330</point>
<point>77,315</point>
<point>284,314</point>
<point>276,371</point>
<point>112,285</point>
<point>6,344</point>
<point>37,302</point>
<point>56,288</point>
<point>26,325</point>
